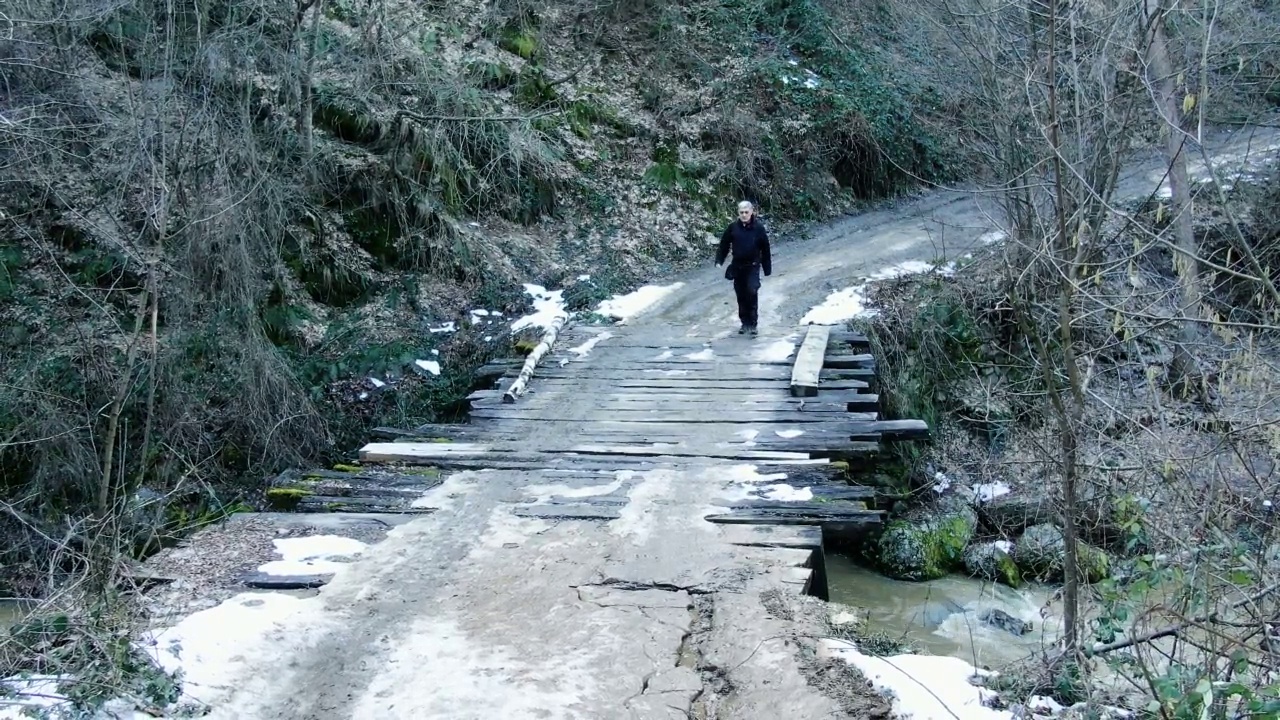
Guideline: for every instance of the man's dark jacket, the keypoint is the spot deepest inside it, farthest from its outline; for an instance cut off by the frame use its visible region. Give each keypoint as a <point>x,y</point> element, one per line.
<point>750,246</point>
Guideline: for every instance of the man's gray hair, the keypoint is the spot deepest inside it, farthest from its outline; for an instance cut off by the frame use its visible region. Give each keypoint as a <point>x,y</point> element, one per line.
<point>746,205</point>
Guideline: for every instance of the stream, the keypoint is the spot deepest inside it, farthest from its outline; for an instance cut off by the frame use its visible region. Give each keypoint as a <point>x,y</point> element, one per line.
<point>942,617</point>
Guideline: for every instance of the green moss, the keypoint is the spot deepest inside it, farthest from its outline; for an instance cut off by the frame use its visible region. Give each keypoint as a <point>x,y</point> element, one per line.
<point>286,498</point>
<point>926,545</point>
<point>524,347</point>
<point>519,41</point>
<point>1095,564</point>
<point>423,471</point>
<point>348,468</point>
<point>1007,570</point>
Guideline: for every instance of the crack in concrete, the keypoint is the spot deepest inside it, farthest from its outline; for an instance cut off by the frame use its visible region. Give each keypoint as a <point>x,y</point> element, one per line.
<point>617,584</point>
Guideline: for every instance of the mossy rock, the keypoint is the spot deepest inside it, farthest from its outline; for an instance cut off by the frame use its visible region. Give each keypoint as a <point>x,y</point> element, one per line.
<point>928,542</point>
<point>348,468</point>
<point>524,347</point>
<point>1041,550</point>
<point>286,498</point>
<point>519,42</point>
<point>993,561</point>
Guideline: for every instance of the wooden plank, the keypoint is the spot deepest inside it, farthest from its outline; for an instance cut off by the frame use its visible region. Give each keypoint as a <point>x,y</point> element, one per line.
<point>657,414</point>
<point>391,452</point>
<point>808,363</point>
<point>850,339</point>
<point>803,537</point>
<point>800,514</point>
<point>689,383</point>
<point>452,432</point>
<point>846,361</point>
<point>264,581</point>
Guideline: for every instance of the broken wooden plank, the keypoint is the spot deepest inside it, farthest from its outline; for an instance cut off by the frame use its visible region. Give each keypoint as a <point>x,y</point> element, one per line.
<point>517,387</point>
<point>497,368</point>
<point>849,339</point>
<point>902,429</point>
<point>266,581</point>
<point>843,361</point>
<point>808,362</point>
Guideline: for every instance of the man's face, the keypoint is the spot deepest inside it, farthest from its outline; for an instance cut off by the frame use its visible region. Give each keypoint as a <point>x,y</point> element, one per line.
<point>744,215</point>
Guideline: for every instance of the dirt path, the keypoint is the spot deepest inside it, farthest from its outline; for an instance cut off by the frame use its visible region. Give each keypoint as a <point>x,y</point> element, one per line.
<point>638,607</point>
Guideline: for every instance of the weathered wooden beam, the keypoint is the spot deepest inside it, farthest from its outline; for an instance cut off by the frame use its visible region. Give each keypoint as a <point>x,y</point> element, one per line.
<point>846,361</point>
<point>808,364</point>
<point>518,385</point>
<point>849,339</point>
<point>800,514</point>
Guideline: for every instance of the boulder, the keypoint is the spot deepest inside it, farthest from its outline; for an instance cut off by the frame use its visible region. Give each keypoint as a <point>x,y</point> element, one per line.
<point>993,561</point>
<point>997,618</point>
<point>927,542</point>
<point>1010,514</point>
<point>1040,551</point>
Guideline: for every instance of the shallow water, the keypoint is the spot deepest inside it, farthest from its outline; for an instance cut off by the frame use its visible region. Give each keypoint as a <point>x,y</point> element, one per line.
<point>941,617</point>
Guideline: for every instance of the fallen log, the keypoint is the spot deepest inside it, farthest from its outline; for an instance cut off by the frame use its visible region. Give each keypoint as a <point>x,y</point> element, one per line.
<point>518,386</point>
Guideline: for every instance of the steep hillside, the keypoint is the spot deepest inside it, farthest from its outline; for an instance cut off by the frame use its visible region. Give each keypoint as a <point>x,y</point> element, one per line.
<point>218,220</point>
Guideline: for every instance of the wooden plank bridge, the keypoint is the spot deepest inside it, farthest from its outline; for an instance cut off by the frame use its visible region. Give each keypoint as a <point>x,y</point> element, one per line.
<point>607,404</point>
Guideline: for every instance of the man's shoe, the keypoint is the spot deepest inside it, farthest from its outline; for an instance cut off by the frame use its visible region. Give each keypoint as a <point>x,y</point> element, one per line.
<point>754,331</point>
<point>742,330</point>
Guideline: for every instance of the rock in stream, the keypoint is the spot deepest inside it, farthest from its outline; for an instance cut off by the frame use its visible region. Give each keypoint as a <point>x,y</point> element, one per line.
<point>928,541</point>
<point>1040,551</point>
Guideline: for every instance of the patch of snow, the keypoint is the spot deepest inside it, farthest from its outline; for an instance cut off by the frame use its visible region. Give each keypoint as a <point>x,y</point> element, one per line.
<point>940,483</point>
<point>993,236</point>
<point>430,366</point>
<point>838,307</point>
<point>986,492</point>
<point>849,303</point>
<point>922,687</point>
<point>445,328</point>
<point>488,338</point>
<point>364,396</point>
<point>547,306</point>
<point>1004,546</point>
<point>437,352</point>
<point>584,278</point>
<point>786,493</point>
<point>585,348</point>
<point>788,434</point>
<point>748,434</point>
<point>313,555</point>
<point>664,355</point>
<point>705,354</point>
<point>377,383</point>
<point>217,648</point>
<point>776,351</point>
<point>625,307</point>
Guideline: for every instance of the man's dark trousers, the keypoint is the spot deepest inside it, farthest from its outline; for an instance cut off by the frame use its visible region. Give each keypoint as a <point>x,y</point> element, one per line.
<point>746,285</point>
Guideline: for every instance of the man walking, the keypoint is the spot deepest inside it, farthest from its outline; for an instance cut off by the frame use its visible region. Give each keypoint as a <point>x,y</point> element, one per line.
<point>749,241</point>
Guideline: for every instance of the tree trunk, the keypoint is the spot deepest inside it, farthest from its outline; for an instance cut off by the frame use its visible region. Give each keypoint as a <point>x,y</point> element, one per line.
<point>305,125</point>
<point>1186,255</point>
